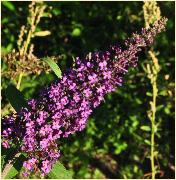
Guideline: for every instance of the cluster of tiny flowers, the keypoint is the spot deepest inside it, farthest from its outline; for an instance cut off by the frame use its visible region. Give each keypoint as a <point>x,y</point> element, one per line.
<point>63,107</point>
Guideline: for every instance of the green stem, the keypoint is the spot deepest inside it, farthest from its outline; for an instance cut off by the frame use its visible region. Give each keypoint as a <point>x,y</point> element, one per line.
<point>26,44</point>
<point>27,41</point>
<point>19,80</point>
<point>23,51</point>
<point>152,154</point>
<point>153,129</point>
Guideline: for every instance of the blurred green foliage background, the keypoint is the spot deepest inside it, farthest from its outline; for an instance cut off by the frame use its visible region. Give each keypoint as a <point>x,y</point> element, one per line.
<point>113,145</point>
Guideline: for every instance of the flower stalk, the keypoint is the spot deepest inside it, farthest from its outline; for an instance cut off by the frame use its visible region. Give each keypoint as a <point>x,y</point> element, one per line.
<point>152,71</point>
<point>36,11</point>
<point>152,14</point>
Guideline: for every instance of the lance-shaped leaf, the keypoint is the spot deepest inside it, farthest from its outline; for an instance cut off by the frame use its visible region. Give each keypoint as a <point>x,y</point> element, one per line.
<point>15,98</point>
<point>145,128</point>
<point>13,168</point>
<point>8,5</point>
<point>59,172</point>
<point>53,66</point>
<point>42,33</point>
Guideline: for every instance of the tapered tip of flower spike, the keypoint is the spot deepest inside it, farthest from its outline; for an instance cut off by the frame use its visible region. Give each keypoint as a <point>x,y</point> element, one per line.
<point>147,35</point>
<point>160,24</point>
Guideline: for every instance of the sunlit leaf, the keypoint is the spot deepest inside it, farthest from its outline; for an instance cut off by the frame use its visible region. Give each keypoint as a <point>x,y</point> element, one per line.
<point>147,142</point>
<point>76,32</point>
<point>12,170</point>
<point>59,172</point>
<point>8,5</point>
<point>53,66</point>
<point>56,11</point>
<point>146,128</point>
<point>42,33</point>
<point>149,94</point>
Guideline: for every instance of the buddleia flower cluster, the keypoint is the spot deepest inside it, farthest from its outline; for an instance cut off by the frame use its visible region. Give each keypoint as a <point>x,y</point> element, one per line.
<point>63,107</point>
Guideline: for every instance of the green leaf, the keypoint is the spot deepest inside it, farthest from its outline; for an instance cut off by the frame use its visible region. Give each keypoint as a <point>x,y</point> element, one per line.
<point>119,17</point>
<point>167,110</point>
<point>160,107</point>
<point>149,94</point>
<point>56,12</point>
<point>5,20</point>
<point>46,14</point>
<point>6,155</point>
<point>42,33</point>
<point>12,173</point>
<point>12,170</point>
<point>156,153</point>
<point>8,5</point>
<point>147,142</point>
<point>76,32</point>
<point>53,66</point>
<point>9,47</point>
<point>146,128</point>
<point>163,93</point>
<point>59,172</point>
<point>15,98</point>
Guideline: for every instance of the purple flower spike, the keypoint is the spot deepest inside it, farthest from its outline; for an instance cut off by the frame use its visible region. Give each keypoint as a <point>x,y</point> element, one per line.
<point>64,107</point>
